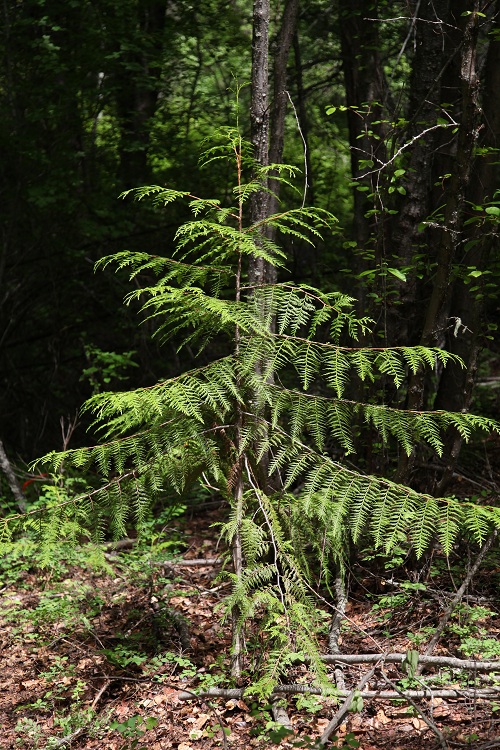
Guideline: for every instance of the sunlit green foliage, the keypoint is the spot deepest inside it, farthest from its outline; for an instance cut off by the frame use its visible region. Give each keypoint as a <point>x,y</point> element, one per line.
<point>279,397</point>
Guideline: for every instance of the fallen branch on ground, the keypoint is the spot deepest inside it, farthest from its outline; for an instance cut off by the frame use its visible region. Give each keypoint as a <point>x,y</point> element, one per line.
<point>436,661</point>
<point>296,689</point>
<point>336,720</point>
<point>458,596</point>
<point>119,545</point>
<point>194,562</point>
<point>426,719</point>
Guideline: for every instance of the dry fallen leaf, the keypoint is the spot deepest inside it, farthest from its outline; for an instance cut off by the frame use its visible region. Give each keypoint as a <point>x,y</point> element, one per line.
<point>321,724</point>
<point>201,721</point>
<point>382,718</point>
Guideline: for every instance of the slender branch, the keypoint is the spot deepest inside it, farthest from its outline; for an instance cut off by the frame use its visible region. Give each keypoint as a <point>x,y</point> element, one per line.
<point>413,20</point>
<point>428,721</point>
<point>458,596</point>
<point>335,721</point>
<point>258,495</point>
<point>306,175</point>
<point>405,146</point>
<point>434,661</point>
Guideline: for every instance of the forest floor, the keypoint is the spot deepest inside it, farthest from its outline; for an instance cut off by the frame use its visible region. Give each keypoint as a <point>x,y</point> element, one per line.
<point>97,659</point>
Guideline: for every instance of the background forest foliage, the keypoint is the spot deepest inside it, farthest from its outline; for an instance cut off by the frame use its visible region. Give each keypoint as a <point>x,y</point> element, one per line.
<point>389,110</point>
<point>102,97</point>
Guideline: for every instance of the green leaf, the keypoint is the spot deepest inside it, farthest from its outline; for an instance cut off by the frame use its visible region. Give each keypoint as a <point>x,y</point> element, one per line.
<point>410,663</point>
<point>397,273</point>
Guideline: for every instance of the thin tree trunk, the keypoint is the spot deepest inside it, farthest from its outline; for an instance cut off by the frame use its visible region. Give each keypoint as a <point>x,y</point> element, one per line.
<point>464,334</point>
<point>425,88</point>
<point>280,102</point>
<point>12,479</point>
<point>259,121</point>
<point>451,230</point>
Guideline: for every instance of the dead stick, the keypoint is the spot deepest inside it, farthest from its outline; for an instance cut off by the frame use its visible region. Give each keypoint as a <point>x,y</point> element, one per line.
<point>428,721</point>
<point>436,661</point>
<point>194,562</point>
<point>335,721</point>
<point>298,689</point>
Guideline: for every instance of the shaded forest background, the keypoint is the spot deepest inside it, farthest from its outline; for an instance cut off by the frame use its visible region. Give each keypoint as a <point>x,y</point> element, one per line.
<point>400,140</point>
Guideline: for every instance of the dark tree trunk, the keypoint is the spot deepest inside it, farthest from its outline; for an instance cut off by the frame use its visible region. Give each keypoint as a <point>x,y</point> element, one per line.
<point>259,121</point>
<point>268,121</point>
<point>415,206</point>
<point>364,87</point>
<point>280,97</point>
<point>466,311</point>
<point>451,236</point>
<point>137,91</point>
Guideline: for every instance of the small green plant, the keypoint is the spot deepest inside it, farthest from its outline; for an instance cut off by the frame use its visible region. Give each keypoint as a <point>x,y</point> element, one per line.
<point>103,368</point>
<point>122,656</point>
<point>213,730</point>
<point>348,742</point>
<point>29,732</point>
<point>386,604</point>
<point>73,718</point>
<point>59,666</point>
<point>134,729</point>
<point>181,665</point>
<point>310,703</point>
<point>467,623</point>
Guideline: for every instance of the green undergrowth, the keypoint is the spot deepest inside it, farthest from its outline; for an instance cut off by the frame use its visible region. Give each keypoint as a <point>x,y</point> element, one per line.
<point>88,602</point>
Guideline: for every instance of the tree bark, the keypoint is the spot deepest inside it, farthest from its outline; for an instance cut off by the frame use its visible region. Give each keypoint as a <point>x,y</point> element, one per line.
<point>364,86</point>
<point>415,206</point>
<point>450,230</point>
<point>280,100</point>
<point>12,479</point>
<point>259,123</point>
<point>457,383</point>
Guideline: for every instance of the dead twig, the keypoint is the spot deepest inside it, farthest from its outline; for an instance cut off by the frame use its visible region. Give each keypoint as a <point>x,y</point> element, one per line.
<point>427,719</point>
<point>336,720</point>
<point>68,739</point>
<point>436,661</point>
<point>194,562</point>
